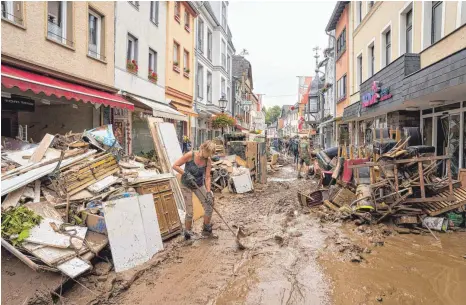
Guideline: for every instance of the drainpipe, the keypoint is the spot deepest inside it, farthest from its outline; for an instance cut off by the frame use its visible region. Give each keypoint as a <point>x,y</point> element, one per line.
<point>334,83</point>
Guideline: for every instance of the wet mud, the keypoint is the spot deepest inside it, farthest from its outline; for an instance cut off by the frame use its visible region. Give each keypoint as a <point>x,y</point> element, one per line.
<point>293,257</point>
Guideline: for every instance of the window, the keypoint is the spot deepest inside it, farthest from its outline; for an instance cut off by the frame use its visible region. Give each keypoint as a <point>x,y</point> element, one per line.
<point>176,56</point>
<point>223,87</point>
<point>152,61</point>
<point>209,45</point>
<point>209,87</point>
<point>177,10</point>
<point>224,56</point>
<point>96,35</point>
<point>59,22</point>
<point>359,73</point>
<point>186,21</point>
<point>409,31</point>
<point>186,61</point>
<point>388,47</point>
<point>371,63</point>
<point>200,81</point>
<point>436,26</point>
<point>341,88</point>
<point>224,16</point>
<point>13,11</point>
<point>200,35</point>
<point>154,12</point>
<point>135,4</point>
<point>228,64</point>
<point>341,43</point>
<point>358,12</point>
<point>132,54</point>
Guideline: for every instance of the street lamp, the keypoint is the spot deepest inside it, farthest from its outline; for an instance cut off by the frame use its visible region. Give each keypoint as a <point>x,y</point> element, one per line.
<point>223,102</point>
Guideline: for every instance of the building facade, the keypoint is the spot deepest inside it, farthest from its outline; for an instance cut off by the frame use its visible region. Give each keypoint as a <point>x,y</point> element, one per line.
<point>180,62</point>
<point>58,68</point>
<point>214,49</point>
<point>244,96</point>
<point>409,71</point>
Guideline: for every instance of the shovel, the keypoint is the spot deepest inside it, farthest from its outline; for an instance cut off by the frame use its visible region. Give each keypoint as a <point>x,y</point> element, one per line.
<point>239,233</point>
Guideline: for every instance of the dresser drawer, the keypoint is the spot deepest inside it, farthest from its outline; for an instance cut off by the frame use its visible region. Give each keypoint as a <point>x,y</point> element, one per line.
<point>164,186</point>
<point>148,189</point>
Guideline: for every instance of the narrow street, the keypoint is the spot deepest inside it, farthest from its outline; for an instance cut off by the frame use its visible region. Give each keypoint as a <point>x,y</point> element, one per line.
<point>279,267</point>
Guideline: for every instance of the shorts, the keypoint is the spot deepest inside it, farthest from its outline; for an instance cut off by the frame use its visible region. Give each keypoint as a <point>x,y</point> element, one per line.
<point>201,193</point>
<point>305,160</point>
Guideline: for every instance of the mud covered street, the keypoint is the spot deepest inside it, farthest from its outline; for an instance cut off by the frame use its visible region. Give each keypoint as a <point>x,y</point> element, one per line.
<point>294,257</point>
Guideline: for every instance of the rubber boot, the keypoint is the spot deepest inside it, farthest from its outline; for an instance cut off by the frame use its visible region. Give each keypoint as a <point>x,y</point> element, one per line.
<point>207,230</point>
<point>188,234</point>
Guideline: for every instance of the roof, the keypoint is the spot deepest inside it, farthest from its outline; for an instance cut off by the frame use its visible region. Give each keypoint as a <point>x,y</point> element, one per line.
<point>241,66</point>
<point>337,11</point>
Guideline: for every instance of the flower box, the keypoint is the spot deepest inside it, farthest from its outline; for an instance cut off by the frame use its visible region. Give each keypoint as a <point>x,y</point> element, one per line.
<point>176,68</point>
<point>186,74</point>
<point>153,77</point>
<point>132,66</point>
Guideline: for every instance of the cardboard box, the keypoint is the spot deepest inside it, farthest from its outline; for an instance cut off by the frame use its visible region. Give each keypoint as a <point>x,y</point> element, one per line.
<point>95,223</point>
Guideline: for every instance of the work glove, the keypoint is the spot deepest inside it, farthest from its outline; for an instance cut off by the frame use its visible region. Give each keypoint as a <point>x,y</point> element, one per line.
<point>189,181</point>
<point>210,198</point>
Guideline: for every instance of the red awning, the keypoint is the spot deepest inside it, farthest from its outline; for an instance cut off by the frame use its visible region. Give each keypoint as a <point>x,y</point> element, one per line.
<point>25,80</point>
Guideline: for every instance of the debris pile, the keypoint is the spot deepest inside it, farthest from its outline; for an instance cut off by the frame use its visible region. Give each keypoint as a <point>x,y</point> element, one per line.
<point>406,185</point>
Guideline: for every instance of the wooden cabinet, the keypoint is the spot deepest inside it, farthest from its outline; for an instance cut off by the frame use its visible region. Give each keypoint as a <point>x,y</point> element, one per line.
<point>165,207</point>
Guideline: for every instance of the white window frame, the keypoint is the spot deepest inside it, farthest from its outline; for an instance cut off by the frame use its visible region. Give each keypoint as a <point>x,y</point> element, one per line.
<point>460,14</point>
<point>154,63</point>
<point>370,66</point>
<point>176,55</point>
<point>209,86</point>
<point>64,18</point>
<point>224,54</point>
<point>186,60</point>
<point>9,11</point>
<point>134,49</point>
<point>426,24</point>
<point>209,44</point>
<point>154,12</point>
<point>402,47</point>
<point>358,12</point>
<point>223,84</point>
<point>228,64</point>
<point>98,34</point>
<point>383,59</point>
<point>200,81</point>
<point>200,34</point>
<point>359,70</point>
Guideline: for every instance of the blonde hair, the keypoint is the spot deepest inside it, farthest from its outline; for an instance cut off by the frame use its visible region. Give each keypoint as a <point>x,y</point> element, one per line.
<point>208,146</point>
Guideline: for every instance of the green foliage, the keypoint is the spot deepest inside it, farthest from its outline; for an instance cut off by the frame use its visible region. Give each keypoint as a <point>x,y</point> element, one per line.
<point>17,222</point>
<point>272,114</point>
<point>222,120</point>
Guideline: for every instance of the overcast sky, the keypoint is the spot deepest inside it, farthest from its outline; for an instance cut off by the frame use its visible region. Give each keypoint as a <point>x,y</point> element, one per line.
<point>279,37</point>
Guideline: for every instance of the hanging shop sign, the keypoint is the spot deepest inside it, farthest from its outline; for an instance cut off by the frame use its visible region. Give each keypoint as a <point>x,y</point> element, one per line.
<point>377,94</point>
<point>18,103</point>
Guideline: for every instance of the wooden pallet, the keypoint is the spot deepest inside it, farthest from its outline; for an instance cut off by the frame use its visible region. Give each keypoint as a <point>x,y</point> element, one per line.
<point>438,207</point>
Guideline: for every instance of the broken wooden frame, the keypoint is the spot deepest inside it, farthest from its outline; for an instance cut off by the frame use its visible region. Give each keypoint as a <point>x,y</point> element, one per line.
<point>419,161</point>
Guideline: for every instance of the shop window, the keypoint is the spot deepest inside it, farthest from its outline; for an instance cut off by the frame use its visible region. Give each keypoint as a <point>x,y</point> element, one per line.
<point>141,139</point>
<point>154,12</point>
<point>96,35</point>
<point>200,81</point>
<point>209,45</point>
<point>427,130</point>
<point>447,107</point>
<point>13,11</point>
<point>60,22</point>
<point>209,87</point>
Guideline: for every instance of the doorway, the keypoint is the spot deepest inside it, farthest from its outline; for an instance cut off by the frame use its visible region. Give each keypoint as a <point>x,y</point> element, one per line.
<point>448,141</point>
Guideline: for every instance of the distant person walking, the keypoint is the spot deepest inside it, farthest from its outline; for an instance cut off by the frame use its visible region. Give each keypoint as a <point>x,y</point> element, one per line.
<point>304,156</point>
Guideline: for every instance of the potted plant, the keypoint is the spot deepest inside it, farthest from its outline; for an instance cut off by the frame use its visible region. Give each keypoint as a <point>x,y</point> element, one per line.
<point>153,77</point>
<point>186,72</point>
<point>222,120</point>
<point>132,65</point>
<point>176,66</point>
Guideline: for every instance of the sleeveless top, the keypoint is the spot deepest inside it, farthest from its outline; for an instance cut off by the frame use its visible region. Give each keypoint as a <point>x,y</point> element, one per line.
<point>198,172</point>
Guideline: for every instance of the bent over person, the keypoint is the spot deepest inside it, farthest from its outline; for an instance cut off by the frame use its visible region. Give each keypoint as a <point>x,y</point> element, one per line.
<point>195,178</point>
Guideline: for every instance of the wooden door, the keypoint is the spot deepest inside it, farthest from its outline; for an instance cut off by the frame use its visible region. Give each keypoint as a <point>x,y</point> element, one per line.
<point>171,211</point>
<point>161,217</point>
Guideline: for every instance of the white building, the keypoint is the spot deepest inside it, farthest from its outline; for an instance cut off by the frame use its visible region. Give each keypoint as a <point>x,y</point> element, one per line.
<point>214,50</point>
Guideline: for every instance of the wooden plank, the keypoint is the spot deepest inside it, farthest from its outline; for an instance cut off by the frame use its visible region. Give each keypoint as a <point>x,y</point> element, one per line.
<point>421,179</point>
<point>428,199</point>
<point>37,190</point>
<point>12,198</point>
<point>39,153</point>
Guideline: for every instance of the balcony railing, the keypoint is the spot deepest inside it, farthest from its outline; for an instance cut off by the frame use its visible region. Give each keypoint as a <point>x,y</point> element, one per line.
<point>55,32</point>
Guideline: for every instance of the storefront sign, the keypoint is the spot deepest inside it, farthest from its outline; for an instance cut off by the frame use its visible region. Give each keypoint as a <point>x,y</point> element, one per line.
<point>18,103</point>
<point>378,94</point>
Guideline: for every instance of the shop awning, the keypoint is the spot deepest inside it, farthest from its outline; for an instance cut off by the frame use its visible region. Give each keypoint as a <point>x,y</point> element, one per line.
<point>37,83</point>
<point>159,109</point>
